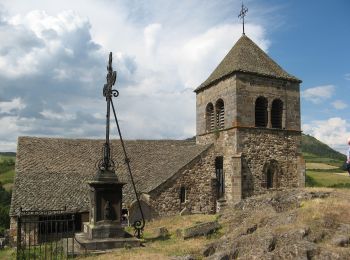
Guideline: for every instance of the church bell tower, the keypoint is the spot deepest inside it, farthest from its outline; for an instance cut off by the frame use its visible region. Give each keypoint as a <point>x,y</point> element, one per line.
<point>249,107</point>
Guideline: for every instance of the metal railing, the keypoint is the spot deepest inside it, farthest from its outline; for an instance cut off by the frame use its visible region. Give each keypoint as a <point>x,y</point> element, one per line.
<point>45,234</point>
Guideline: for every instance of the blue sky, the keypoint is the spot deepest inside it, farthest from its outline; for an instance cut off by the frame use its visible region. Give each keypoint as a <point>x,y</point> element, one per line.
<point>53,56</point>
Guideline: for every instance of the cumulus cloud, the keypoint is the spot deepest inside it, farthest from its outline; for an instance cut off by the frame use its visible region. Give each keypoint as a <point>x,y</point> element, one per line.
<point>318,94</point>
<point>54,65</point>
<point>339,104</point>
<point>334,131</point>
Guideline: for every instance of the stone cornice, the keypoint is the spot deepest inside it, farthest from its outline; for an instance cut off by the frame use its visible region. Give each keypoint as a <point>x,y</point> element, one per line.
<point>255,128</point>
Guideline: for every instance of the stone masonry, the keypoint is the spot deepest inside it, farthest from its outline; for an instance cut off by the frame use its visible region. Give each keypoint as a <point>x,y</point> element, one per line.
<point>198,178</point>
<point>252,153</point>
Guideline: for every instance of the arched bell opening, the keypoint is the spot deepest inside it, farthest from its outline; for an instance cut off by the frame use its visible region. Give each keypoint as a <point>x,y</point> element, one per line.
<point>261,115</point>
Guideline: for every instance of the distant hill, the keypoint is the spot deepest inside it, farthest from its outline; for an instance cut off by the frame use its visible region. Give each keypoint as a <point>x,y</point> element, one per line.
<point>10,154</point>
<point>310,145</point>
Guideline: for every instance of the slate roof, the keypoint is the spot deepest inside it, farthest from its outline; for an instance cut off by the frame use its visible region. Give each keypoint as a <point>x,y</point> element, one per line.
<point>52,173</point>
<point>246,56</point>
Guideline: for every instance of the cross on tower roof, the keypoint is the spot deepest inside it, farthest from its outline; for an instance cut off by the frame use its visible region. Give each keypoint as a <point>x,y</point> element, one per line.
<point>242,14</point>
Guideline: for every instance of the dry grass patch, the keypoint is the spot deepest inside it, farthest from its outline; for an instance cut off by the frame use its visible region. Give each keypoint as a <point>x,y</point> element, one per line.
<point>164,249</point>
<point>328,212</point>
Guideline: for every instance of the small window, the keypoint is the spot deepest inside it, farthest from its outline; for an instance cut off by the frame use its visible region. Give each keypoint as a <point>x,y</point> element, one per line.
<point>220,114</point>
<point>220,177</point>
<point>183,194</point>
<point>261,115</point>
<point>276,113</point>
<point>210,118</point>
<point>269,179</point>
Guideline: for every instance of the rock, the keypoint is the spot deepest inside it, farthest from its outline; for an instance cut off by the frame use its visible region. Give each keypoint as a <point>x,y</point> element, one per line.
<point>161,232</point>
<point>201,229</point>
<point>273,226</point>
<point>297,250</point>
<point>224,255</point>
<point>341,240</point>
<point>317,236</point>
<point>320,194</point>
<point>186,257</point>
<point>251,229</point>
<point>209,250</point>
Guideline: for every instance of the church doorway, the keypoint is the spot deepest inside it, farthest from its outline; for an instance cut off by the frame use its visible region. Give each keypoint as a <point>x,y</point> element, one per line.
<point>220,178</point>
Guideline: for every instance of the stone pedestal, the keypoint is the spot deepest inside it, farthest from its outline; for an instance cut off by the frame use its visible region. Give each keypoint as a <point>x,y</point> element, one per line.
<point>104,231</point>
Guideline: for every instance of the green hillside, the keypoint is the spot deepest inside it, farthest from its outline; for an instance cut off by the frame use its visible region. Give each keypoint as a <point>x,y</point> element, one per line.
<point>313,148</point>
<point>7,172</point>
<point>7,169</point>
<point>324,166</point>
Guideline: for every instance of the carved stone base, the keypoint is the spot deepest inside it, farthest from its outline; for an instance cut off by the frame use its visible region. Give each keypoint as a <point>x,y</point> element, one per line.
<point>85,245</point>
<point>104,229</point>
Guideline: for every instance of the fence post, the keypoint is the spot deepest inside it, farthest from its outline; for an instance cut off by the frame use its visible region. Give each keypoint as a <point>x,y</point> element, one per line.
<point>19,233</point>
<point>73,237</point>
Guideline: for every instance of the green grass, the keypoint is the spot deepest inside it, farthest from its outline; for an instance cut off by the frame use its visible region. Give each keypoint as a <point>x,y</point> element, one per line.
<point>8,253</point>
<point>309,157</point>
<point>324,179</point>
<point>7,177</point>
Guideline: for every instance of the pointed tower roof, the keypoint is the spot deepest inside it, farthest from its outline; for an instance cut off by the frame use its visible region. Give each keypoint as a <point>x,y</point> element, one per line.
<point>246,56</point>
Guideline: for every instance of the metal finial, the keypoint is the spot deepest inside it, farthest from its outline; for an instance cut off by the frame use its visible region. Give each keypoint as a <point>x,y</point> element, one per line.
<point>242,14</point>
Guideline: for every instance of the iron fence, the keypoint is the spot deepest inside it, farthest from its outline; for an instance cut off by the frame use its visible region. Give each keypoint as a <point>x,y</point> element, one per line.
<point>45,234</point>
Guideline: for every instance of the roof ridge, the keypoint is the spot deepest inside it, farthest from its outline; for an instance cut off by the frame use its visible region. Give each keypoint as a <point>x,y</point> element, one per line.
<point>95,139</point>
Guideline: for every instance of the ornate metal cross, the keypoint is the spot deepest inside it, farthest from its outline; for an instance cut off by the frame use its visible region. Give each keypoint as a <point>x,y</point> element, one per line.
<point>107,164</point>
<point>242,14</point>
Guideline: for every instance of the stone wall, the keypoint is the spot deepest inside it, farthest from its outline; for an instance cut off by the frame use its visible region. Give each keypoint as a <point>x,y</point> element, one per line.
<point>29,230</point>
<point>250,87</point>
<point>260,148</point>
<point>225,145</point>
<point>199,180</point>
<point>224,90</point>
<point>13,231</point>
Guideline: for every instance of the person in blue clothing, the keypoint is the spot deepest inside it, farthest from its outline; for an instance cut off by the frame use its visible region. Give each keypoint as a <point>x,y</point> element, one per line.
<point>348,157</point>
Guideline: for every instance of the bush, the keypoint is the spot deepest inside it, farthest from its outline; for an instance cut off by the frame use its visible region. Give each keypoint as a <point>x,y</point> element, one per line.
<point>7,165</point>
<point>5,200</point>
<point>5,196</point>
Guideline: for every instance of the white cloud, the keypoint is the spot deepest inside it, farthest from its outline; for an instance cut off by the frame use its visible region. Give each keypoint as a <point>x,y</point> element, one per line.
<point>199,56</point>
<point>334,132</point>
<point>161,51</point>
<point>347,76</point>
<point>51,115</point>
<point>34,40</point>
<point>318,94</point>
<point>10,106</point>
<point>338,104</point>
<point>151,34</point>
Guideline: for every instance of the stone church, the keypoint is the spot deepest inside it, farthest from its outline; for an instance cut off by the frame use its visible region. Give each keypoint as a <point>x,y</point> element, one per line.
<point>248,141</point>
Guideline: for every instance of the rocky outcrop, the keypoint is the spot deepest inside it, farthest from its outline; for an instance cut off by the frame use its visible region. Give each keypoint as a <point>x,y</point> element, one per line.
<point>288,224</point>
<point>201,229</point>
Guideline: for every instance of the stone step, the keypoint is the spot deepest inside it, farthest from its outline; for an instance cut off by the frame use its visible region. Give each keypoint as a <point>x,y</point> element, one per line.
<point>83,245</point>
